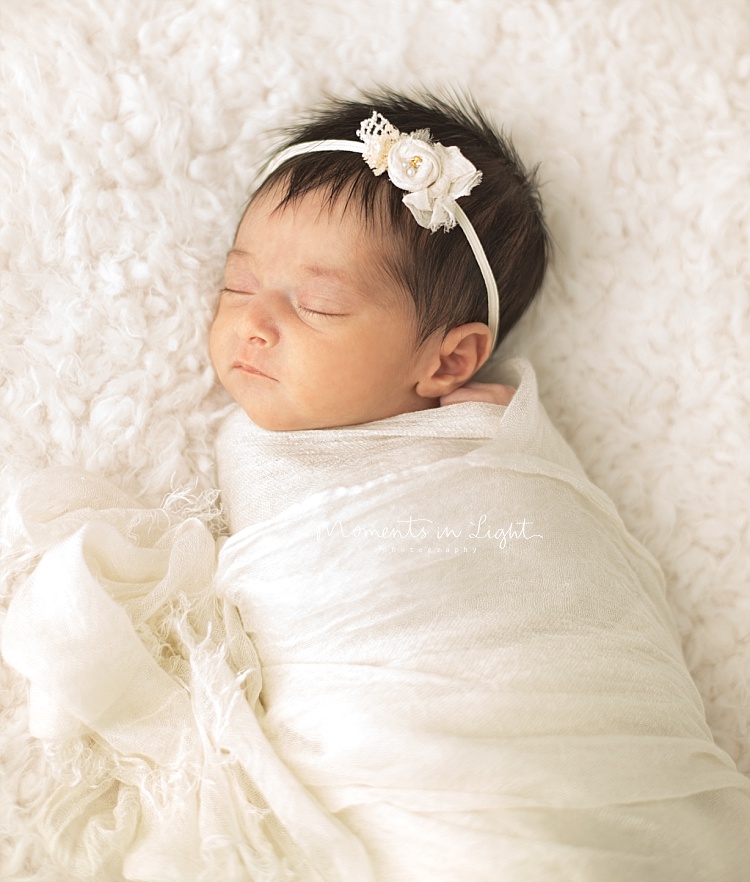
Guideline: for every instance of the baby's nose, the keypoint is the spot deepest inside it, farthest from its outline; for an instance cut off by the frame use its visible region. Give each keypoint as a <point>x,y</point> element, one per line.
<point>258,324</point>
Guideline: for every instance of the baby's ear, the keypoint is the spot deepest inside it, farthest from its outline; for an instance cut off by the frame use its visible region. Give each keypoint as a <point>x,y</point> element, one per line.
<point>463,351</point>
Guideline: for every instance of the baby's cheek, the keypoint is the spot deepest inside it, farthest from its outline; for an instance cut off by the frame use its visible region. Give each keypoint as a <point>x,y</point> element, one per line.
<point>212,348</point>
<point>216,336</point>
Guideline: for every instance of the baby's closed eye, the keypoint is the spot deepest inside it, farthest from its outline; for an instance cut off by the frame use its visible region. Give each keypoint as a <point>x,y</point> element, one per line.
<point>318,312</point>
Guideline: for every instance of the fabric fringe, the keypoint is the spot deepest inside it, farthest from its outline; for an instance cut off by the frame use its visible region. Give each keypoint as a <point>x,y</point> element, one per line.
<point>185,503</point>
<point>74,807</point>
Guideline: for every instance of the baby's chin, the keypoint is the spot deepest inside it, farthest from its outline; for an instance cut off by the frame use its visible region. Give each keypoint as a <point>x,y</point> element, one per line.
<point>281,423</point>
<point>275,421</point>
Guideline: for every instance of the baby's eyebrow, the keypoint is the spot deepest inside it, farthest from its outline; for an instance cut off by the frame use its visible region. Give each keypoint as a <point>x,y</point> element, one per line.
<point>341,282</point>
<point>313,269</point>
<point>238,253</point>
<point>344,279</point>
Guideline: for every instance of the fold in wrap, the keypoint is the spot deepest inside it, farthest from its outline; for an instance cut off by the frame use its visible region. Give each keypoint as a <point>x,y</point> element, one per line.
<point>430,651</point>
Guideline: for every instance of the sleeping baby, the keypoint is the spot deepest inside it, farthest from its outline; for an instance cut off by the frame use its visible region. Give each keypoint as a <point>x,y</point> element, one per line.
<point>465,656</point>
<point>429,650</point>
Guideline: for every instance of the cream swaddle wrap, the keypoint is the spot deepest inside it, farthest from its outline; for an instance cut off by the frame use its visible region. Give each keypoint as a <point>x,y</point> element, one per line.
<point>466,656</point>
<point>429,652</point>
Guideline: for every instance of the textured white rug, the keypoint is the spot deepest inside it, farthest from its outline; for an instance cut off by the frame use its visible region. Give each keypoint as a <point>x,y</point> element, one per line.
<point>130,133</point>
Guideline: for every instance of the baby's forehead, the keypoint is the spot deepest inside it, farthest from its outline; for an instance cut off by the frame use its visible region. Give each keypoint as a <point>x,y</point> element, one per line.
<point>345,205</point>
<point>328,221</point>
<point>322,239</point>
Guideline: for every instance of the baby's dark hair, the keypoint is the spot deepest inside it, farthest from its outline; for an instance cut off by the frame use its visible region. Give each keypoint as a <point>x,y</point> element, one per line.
<point>438,269</point>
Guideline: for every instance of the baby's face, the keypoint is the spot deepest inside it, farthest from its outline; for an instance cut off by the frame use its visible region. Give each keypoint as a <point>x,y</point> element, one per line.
<point>309,332</point>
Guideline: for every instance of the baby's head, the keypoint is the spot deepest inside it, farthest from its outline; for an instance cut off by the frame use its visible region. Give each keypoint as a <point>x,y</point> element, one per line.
<point>339,306</point>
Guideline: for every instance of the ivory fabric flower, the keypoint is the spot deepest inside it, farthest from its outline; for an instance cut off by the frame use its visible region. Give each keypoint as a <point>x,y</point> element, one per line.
<point>413,163</point>
<point>433,176</point>
<point>432,197</point>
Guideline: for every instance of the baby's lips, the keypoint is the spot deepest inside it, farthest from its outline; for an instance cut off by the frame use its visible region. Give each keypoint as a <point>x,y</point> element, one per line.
<point>250,369</point>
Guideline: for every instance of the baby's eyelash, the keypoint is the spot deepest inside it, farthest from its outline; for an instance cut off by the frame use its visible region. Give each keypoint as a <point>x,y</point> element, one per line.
<point>315,312</point>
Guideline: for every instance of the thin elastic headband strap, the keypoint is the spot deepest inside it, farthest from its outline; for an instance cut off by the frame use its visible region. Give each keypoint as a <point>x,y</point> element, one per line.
<point>493,298</point>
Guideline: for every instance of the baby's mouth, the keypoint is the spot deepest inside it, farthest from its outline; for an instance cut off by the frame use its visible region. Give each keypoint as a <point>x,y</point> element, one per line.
<point>249,369</point>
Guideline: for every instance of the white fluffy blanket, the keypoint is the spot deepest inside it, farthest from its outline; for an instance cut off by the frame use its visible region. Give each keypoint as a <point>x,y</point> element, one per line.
<point>128,139</point>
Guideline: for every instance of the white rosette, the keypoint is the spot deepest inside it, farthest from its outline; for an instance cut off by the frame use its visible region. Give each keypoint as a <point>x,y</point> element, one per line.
<point>414,163</point>
<point>434,176</point>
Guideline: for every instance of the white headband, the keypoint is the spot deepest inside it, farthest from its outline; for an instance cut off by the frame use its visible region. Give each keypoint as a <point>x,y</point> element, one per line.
<point>434,176</point>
